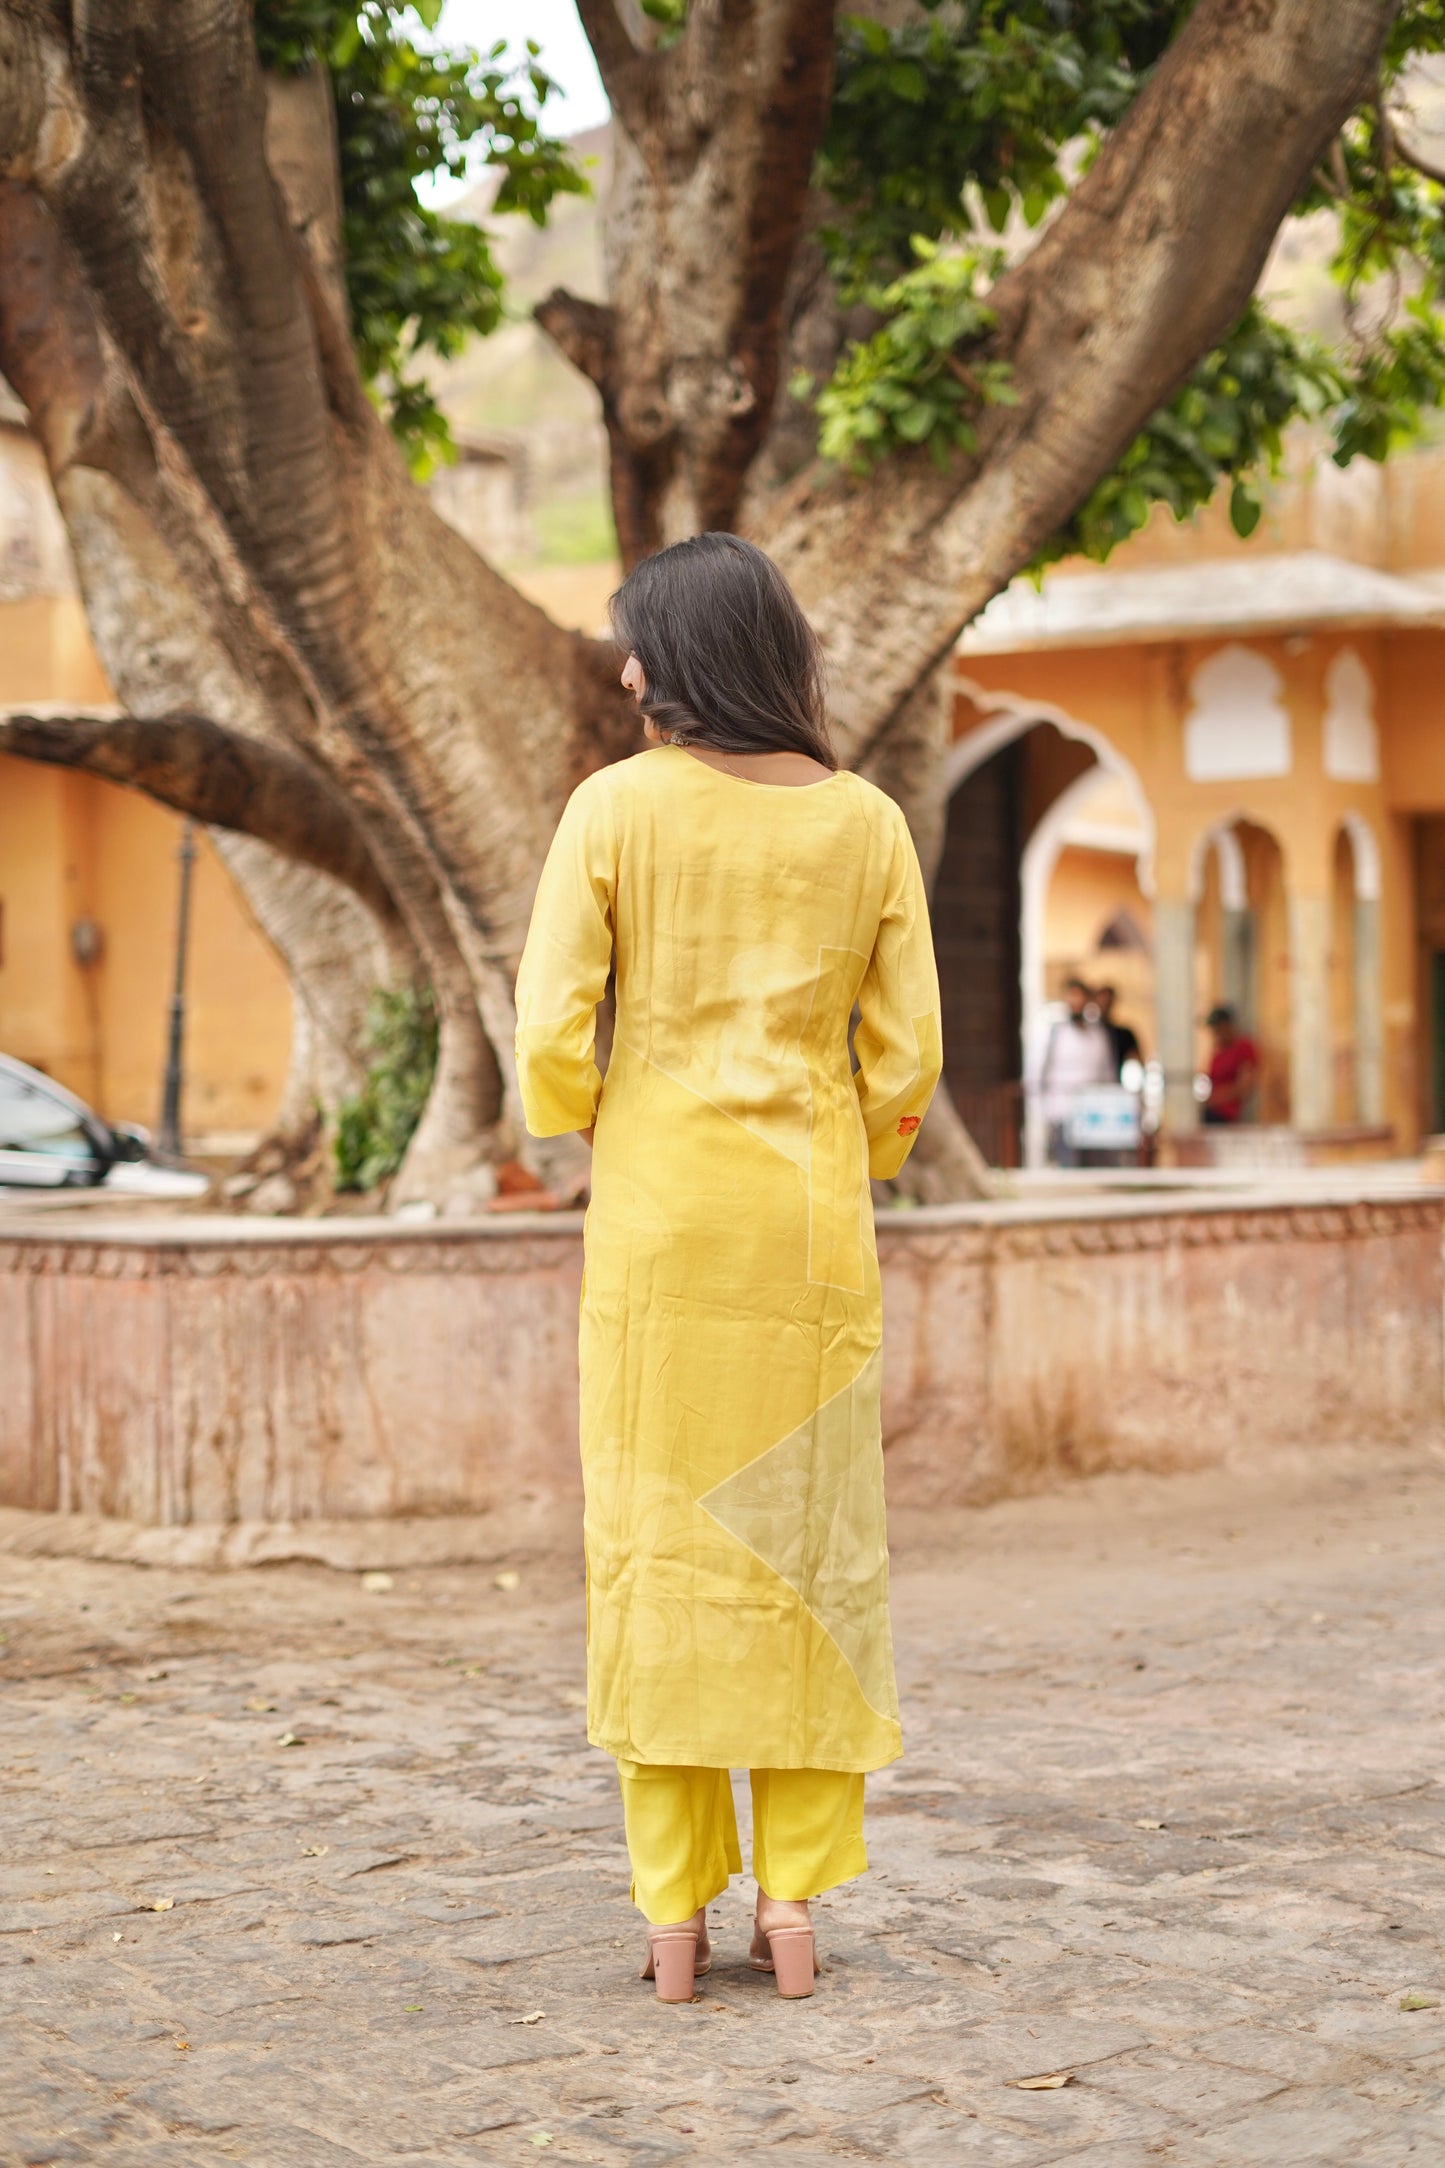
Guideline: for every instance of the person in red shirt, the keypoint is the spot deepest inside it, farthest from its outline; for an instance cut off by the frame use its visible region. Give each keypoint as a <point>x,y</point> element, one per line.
<point>1233,1067</point>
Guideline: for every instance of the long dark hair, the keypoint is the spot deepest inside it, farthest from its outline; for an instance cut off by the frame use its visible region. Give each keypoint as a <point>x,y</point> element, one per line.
<point>729,658</point>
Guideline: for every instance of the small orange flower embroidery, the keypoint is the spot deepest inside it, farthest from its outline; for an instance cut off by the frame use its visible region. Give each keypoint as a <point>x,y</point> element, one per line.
<point>908,1124</point>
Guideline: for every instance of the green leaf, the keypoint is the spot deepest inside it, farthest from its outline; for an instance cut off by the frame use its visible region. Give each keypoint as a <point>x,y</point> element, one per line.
<point>1245,509</point>
<point>344,46</point>
<point>873,37</point>
<point>906,81</point>
<point>997,204</point>
<point>915,420</point>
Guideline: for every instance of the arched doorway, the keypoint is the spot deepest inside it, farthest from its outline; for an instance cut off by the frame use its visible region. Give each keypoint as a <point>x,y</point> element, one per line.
<point>1242,950</point>
<point>1030,790</point>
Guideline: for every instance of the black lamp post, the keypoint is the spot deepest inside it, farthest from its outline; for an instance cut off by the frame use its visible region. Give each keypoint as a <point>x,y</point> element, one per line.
<point>170,1133</point>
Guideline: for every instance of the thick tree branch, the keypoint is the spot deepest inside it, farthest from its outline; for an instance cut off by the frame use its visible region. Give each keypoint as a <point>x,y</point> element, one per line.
<point>627,71</point>
<point>582,330</point>
<point>709,197</point>
<point>225,780</point>
<point>1149,264</point>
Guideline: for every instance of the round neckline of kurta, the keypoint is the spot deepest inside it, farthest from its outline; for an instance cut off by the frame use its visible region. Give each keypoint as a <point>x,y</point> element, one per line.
<point>752,782</point>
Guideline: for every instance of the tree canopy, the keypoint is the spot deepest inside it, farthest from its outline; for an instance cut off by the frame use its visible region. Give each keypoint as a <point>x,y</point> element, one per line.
<point>950,137</point>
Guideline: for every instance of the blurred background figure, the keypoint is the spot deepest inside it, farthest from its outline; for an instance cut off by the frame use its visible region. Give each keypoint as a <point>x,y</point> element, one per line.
<point>1233,1068</point>
<point>1078,1055</point>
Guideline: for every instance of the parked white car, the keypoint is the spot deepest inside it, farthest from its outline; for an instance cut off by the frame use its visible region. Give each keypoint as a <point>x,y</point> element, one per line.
<point>49,1139</point>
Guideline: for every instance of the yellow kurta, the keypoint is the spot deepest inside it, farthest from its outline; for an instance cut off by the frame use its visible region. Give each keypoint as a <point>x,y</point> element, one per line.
<point>737,1561</point>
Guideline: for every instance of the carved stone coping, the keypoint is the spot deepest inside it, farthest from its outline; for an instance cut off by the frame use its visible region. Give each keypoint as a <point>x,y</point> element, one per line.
<point>213,1248</point>
<point>1108,1225</point>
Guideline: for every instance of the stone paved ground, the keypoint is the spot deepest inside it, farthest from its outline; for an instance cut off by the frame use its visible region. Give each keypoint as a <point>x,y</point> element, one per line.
<point>304,1876</point>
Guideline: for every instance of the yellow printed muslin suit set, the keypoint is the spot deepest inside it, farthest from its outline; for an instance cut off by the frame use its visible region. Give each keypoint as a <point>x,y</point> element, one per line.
<point>737,1562</point>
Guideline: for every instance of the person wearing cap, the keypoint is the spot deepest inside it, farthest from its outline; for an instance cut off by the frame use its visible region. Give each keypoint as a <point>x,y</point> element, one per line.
<point>1233,1067</point>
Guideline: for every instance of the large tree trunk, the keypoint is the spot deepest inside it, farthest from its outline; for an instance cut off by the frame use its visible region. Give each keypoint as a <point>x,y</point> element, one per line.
<point>335,956</point>
<point>249,545</point>
<point>713,147</point>
<point>255,559</point>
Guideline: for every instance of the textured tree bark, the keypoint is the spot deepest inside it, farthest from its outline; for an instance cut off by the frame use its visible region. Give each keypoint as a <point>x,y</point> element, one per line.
<point>334,956</point>
<point>218,776</point>
<point>252,552</point>
<point>714,141</point>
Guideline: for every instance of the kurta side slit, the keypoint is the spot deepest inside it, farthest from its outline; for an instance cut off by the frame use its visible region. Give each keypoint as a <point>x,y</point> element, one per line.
<point>731,1319</point>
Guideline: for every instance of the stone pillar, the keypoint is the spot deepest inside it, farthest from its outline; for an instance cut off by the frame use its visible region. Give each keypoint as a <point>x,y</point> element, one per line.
<point>1369,1020</point>
<point>1174,1009</point>
<point>1236,929</point>
<point>1309,1024</point>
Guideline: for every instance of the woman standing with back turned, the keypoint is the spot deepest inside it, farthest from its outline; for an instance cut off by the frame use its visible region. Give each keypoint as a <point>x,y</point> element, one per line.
<point>737,1563</point>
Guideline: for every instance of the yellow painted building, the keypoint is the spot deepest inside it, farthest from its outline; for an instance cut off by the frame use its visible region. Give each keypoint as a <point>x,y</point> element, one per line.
<point>1229,758</point>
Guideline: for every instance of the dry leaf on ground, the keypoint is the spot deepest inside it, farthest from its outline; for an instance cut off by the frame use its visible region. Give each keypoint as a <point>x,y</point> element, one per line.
<point>533,2017</point>
<point>1049,2084</point>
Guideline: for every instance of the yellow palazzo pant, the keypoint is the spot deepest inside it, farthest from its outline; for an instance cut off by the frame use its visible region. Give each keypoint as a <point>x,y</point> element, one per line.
<point>682,1834</point>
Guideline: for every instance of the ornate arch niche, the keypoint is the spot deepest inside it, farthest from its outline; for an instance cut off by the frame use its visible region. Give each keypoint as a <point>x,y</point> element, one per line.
<point>1240,943</point>
<point>1237,727</point>
<point>1219,879</point>
<point>1350,735</point>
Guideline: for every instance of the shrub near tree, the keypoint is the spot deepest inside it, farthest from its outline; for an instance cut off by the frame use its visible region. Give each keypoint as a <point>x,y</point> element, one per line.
<point>918,297</point>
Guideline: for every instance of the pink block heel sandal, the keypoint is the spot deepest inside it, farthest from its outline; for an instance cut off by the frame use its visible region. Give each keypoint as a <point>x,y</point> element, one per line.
<point>790,1955</point>
<point>676,1956</point>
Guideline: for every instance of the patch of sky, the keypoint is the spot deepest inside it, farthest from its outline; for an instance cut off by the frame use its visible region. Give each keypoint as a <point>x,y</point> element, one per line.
<point>577,102</point>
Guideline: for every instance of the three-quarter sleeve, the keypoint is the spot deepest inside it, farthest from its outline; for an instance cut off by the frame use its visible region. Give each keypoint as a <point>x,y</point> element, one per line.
<point>564,967</point>
<point>899,1039</point>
